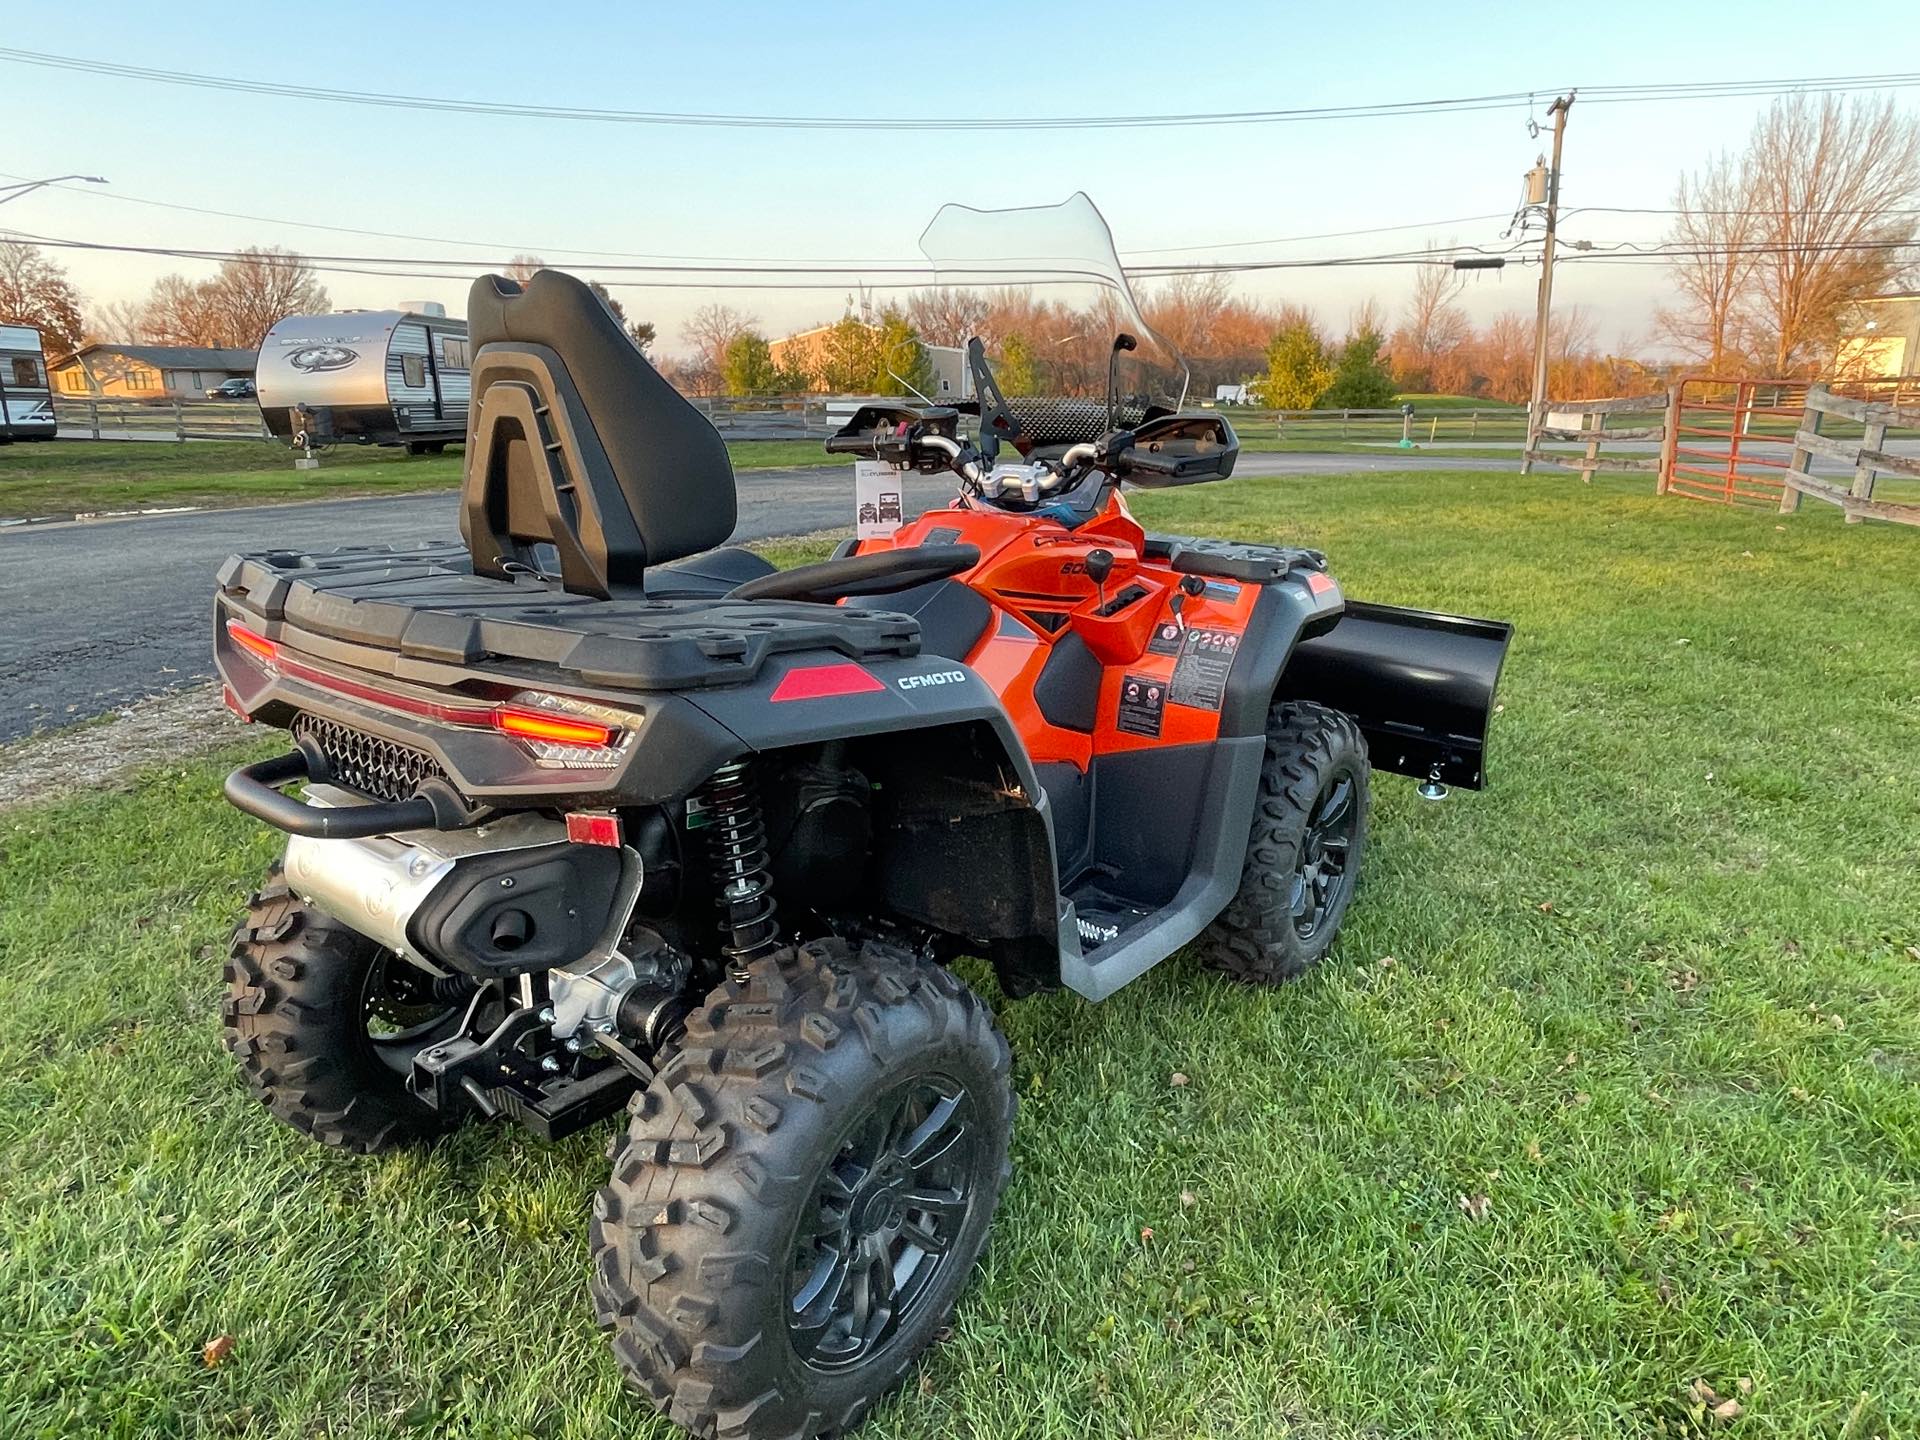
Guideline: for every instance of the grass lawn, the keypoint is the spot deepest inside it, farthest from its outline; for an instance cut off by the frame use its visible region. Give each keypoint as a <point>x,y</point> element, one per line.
<point>89,475</point>
<point>1610,1091</point>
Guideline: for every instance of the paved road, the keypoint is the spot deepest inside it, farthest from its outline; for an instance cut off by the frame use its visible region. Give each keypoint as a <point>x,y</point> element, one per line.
<point>97,615</point>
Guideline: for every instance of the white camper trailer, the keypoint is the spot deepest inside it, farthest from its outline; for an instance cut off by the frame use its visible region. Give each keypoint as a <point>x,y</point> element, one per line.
<point>368,377</point>
<point>26,402</point>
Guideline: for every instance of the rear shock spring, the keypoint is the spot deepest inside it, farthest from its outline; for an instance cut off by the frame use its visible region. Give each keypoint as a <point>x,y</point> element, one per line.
<point>738,830</point>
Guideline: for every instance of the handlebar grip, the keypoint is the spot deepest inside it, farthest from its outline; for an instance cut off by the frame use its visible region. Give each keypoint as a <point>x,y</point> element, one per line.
<point>851,444</point>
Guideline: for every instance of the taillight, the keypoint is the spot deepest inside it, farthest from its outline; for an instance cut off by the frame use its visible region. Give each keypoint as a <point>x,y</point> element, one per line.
<point>542,725</point>
<point>254,643</point>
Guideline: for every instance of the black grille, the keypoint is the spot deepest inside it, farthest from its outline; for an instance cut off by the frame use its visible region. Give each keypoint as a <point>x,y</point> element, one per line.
<point>383,769</point>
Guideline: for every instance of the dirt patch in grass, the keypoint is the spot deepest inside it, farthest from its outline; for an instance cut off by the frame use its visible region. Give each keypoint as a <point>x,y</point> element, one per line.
<point>178,725</point>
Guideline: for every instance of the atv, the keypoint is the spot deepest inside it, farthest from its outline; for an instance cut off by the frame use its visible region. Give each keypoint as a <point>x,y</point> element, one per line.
<point>598,812</point>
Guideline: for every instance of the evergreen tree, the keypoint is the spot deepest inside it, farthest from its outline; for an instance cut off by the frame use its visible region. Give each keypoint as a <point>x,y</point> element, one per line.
<point>1360,381</point>
<point>899,352</point>
<point>746,366</point>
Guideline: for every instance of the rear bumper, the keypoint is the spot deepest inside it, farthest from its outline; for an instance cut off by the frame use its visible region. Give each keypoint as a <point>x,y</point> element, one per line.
<point>1420,684</point>
<point>253,789</point>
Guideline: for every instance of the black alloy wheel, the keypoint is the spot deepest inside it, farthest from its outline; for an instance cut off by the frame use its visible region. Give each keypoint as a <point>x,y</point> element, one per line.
<point>883,1219</point>
<point>1324,880</point>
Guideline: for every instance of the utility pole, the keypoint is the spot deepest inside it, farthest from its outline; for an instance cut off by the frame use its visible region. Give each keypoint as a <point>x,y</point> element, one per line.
<point>1536,411</point>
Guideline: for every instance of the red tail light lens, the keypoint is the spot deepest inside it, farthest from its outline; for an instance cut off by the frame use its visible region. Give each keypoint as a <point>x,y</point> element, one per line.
<point>545,725</point>
<point>255,644</point>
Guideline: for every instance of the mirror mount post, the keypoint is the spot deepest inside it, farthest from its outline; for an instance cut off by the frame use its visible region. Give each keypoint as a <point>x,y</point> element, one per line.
<point>1122,343</point>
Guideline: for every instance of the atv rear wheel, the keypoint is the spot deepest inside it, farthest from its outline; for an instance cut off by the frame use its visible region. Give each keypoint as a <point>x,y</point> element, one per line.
<point>803,1190</point>
<point>325,1025</point>
<point>1303,856</point>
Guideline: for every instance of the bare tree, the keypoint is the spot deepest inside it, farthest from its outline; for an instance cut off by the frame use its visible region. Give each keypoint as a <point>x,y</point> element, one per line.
<point>1503,355</point>
<point>259,287</point>
<point>521,268</point>
<point>946,315</point>
<point>1433,330</point>
<point>1716,228</point>
<point>1831,178</point>
<point>35,291</point>
<point>177,311</point>
<point>1186,309</point>
<point>711,328</point>
<point>1369,317</point>
<point>123,321</point>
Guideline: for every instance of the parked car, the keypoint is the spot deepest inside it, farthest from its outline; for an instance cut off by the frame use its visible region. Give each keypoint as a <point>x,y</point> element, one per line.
<point>238,388</point>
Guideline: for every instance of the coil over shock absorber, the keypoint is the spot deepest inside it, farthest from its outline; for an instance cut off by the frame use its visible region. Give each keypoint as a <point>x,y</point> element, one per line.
<point>737,828</point>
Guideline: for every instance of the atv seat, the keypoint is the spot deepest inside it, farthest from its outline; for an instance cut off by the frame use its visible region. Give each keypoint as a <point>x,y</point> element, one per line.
<point>576,442</point>
<point>715,573</point>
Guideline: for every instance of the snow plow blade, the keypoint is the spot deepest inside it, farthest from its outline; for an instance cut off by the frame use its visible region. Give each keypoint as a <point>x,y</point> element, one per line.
<point>1420,684</point>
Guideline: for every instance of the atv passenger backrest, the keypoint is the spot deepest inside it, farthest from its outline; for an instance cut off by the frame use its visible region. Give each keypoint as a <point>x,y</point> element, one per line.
<point>574,440</point>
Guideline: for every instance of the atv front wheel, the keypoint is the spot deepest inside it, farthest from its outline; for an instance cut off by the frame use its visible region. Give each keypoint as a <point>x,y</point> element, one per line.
<point>1303,856</point>
<point>803,1191</point>
<point>325,1025</point>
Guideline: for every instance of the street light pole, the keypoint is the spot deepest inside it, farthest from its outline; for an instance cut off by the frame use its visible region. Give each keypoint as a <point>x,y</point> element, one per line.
<point>26,186</point>
<point>1536,410</point>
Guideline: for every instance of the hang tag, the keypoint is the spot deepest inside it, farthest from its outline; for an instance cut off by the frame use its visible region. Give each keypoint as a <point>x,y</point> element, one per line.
<point>876,499</point>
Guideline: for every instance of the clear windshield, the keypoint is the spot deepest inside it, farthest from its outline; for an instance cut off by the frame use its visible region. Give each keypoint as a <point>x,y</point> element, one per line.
<point>1043,289</point>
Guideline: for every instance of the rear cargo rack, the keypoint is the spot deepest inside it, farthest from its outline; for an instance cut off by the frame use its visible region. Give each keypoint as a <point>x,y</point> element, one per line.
<point>424,602</point>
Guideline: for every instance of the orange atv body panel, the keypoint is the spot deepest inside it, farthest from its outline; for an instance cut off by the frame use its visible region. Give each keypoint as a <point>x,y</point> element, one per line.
<point>1139,626</point>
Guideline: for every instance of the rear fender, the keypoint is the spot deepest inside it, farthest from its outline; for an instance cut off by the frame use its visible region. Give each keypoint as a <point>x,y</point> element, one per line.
<point>1419,683</point>
<point>973,848</point>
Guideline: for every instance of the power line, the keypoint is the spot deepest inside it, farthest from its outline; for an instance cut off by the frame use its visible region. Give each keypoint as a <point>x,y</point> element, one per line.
<point>1757,214</point>
<point>1662,250</point>
<point>1605,94</point>
<point>543,250</point>
<point>725,120</point>
<point>779,276</point>
<point>1324,235</point>
<point>489,245</point>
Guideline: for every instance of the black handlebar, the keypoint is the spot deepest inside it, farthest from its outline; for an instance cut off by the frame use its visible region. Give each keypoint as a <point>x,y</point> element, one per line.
<point>850,444</point>
<point>251,789</point>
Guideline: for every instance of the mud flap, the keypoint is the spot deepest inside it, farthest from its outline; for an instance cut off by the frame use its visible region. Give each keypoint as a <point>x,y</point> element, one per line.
<point>1420,684</point>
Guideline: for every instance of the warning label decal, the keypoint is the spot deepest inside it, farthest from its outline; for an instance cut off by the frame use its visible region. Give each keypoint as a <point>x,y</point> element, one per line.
<point>1200,674</point>
<point>1143,699</point>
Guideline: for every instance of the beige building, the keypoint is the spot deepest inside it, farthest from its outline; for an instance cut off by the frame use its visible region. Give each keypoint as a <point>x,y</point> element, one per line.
<point>1883,339</point>
<point>805,352</point>
<point>148,372</point>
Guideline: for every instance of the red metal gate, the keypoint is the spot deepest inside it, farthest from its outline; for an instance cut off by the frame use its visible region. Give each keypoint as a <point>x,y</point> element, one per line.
<point>1731,440</point>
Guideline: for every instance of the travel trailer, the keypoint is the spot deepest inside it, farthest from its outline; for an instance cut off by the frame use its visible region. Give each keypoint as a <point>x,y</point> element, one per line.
<point>367,377</point>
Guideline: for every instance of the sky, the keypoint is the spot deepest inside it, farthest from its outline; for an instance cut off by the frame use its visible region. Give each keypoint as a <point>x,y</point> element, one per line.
<point>506,185</point>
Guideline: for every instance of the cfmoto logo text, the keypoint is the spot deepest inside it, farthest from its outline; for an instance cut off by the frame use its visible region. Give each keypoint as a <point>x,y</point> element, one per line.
<point>938,677</point>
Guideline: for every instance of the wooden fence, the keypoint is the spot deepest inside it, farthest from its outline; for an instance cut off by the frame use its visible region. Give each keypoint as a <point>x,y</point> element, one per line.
<point>1430,425</point>
<point>80,418</point>
<point>1590,429</point>
<point>1864,454</point>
